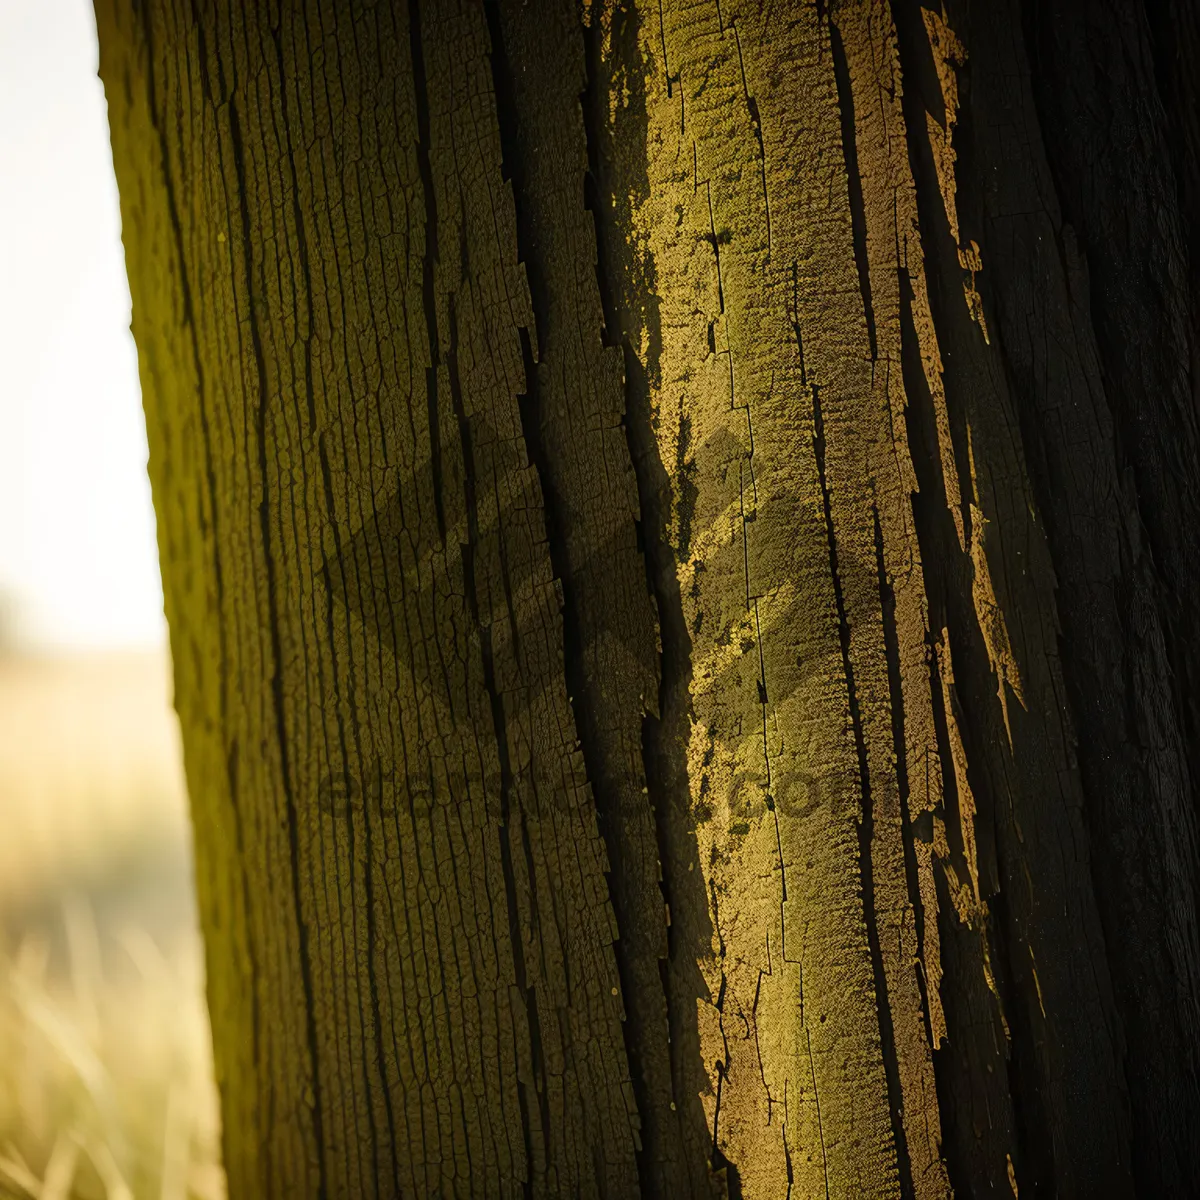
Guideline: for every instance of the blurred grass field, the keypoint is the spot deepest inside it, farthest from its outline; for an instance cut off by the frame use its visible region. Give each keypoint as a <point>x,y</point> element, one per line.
<point>106,1086</point>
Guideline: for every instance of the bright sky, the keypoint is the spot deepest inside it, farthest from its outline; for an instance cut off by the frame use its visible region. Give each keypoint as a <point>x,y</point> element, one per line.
<point>77,549</point>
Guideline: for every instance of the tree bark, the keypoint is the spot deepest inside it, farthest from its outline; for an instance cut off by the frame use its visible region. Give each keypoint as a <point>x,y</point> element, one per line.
<point>677,532</point>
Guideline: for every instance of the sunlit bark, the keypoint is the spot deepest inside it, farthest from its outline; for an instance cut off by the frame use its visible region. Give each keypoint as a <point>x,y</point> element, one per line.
<point>676,523</point>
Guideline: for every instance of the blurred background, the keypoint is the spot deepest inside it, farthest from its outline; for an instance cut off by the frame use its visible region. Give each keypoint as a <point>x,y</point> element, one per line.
<point>106,1085</point>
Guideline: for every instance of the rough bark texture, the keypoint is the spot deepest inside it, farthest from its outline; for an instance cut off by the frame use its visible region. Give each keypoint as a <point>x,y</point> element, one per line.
<point>678,532</point>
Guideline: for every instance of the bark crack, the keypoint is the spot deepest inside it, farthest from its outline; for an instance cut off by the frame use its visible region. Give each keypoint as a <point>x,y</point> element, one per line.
<point>866,824</point>
<point>858,219</point>
<point>277,697</point>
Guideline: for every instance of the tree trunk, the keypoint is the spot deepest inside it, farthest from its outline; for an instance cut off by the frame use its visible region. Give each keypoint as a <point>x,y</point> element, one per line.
<point>678,533</point>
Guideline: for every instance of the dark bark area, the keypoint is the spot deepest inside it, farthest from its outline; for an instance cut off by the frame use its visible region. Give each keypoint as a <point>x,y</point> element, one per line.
<point>1112,438</point>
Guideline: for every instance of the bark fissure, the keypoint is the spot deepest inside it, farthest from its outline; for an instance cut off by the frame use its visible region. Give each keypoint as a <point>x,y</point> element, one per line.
<point>429,259</point>
<point>629,311</point>
<point>858,221</point>
<point>556,514</point>
<point>866,818</point>
<point>496,703</point>
<point>279,708</point>
<point>977,1061</point>
<point>207,513</point>
<point>891,643</point>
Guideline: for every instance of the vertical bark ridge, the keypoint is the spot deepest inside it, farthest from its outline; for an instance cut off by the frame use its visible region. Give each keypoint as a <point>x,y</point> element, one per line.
<point>274,666</point>
<point>739,681</point>
<point>617,63</point>
<point>429,258</point>
<point>968,1027</point>
<point>357,313</point>
<point>908,799</point>
<point>576,420</point>
<point>1044,947</point>
<point>866,822</point>
<point>854,183</point>
<point>729,414</point>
